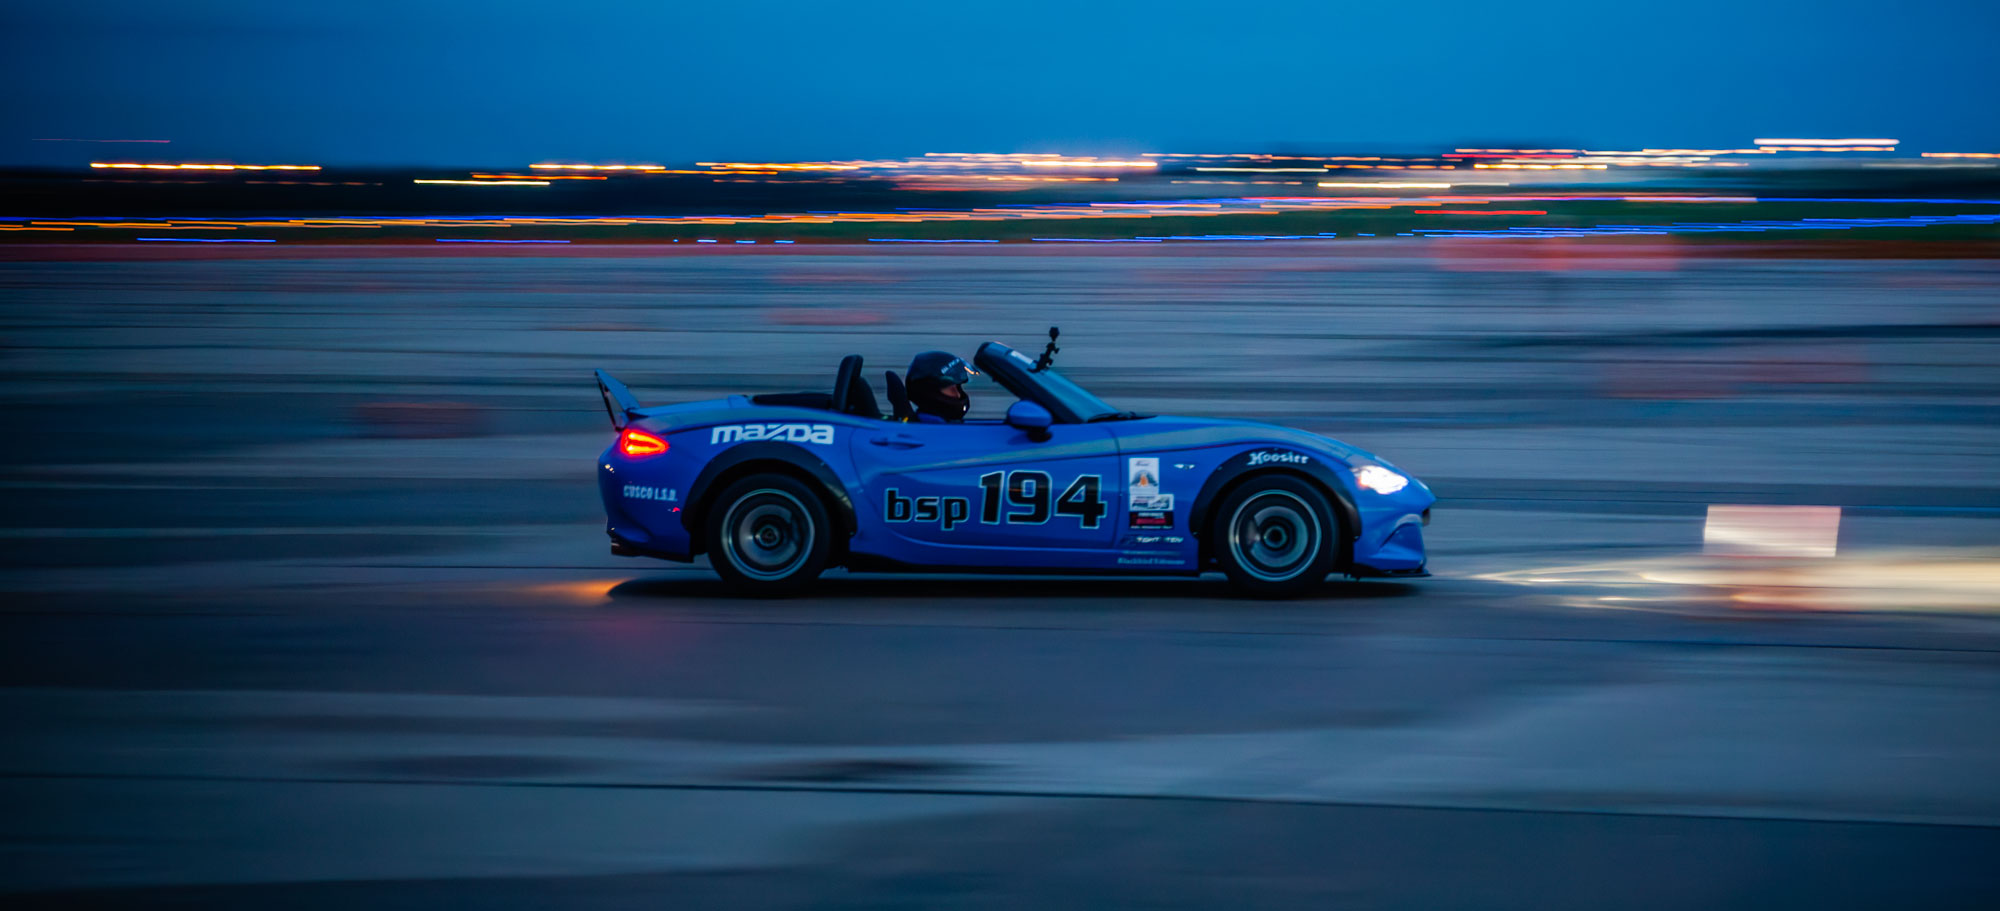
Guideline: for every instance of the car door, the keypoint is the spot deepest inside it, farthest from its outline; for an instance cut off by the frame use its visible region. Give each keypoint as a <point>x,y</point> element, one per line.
<point>939,487</point>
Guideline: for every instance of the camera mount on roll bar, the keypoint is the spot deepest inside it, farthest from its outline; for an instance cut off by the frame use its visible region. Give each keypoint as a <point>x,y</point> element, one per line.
<point>1048,358</point>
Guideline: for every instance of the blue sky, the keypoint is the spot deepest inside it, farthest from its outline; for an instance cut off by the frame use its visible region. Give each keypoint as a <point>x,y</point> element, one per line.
<point>505,82</point>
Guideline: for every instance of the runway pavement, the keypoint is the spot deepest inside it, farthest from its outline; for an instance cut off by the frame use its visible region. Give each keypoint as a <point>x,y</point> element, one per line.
<point>308,603</point>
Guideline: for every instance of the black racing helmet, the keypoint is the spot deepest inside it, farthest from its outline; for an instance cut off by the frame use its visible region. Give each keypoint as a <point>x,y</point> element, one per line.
<point>930,374</point>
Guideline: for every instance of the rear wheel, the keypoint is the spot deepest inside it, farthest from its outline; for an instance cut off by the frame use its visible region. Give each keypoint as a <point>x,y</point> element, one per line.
<point>768,535</point>
<point>1275,536</point>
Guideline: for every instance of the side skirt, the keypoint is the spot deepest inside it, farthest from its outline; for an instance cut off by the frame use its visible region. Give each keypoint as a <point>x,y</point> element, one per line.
<point>1369,572</point>
<point>864,563</point>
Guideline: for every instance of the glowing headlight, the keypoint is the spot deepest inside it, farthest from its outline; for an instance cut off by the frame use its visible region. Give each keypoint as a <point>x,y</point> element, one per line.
<point>1379,479</point>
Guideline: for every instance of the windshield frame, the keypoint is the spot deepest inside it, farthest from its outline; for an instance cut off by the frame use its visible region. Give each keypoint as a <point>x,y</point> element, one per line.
<point>1067,401</point>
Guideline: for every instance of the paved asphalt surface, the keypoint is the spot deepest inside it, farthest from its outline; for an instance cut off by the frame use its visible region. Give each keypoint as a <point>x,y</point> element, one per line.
<point>307,602</point>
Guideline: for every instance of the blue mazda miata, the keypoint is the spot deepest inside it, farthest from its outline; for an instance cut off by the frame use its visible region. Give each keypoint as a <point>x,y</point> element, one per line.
<point>776,488</point>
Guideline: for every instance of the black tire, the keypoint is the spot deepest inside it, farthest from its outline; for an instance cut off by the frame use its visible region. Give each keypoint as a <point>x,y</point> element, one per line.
<point>1275,536</point>
<point>768,536</point>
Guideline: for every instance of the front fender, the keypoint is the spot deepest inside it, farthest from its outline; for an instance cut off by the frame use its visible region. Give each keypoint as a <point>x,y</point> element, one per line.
<point>1328,474</point>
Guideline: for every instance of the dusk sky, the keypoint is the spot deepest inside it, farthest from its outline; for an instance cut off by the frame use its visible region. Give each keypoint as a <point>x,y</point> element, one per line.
<point>503,82</point>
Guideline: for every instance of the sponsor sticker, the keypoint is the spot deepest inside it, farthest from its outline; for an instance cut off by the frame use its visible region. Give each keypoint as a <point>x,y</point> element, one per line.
<point>815,434</point>
<point>1142,482</point>
<point>1145,506</point>
<point>644,492</point>
<point>1272,458</point>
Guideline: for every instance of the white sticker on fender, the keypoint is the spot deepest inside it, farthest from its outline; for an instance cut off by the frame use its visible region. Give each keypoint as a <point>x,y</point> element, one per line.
<point>1142,483</point>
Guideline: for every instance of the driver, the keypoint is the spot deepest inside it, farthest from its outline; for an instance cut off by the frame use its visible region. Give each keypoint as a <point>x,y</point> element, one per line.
<point>936,384</point>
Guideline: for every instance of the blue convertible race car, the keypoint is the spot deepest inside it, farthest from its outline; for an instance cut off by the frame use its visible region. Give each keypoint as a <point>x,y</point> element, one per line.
<point>776,488</point>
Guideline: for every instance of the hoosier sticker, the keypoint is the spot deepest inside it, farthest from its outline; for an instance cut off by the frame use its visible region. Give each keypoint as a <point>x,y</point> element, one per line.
<point>1267,458</point>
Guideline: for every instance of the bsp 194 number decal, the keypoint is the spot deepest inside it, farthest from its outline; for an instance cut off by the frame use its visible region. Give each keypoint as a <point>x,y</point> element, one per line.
<point>1028,498</point>
<point>1010,497</point>
<point>948,511</point>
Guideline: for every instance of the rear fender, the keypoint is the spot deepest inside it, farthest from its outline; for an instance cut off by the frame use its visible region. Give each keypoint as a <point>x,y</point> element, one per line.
<point>749,458</point>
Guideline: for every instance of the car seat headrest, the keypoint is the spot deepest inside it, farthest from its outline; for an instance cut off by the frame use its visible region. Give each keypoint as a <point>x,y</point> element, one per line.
<point>899,397</point>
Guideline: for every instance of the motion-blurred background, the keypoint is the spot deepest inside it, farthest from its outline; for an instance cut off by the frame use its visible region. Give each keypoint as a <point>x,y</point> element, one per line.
<point>1686,312</point>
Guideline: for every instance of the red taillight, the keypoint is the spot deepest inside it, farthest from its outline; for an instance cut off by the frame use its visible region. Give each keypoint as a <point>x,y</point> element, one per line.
<point>639,444</point>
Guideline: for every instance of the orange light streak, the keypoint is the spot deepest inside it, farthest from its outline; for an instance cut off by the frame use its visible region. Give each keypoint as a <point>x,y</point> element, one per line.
<point>204,167</point>
<point>777,166</point>
<point>541,176</point>
<point>1779,148</point>
<point>552,166</point>
<point>486,183</point>
<point>1071,163</point>
<point>1826,142</point>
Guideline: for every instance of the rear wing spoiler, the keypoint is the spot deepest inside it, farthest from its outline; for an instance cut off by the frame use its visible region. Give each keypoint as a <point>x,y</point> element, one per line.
<point>619,402</point>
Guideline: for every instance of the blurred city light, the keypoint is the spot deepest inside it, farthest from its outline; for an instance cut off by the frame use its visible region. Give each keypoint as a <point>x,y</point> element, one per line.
<point>127,165</point>
<point>1772,531</point>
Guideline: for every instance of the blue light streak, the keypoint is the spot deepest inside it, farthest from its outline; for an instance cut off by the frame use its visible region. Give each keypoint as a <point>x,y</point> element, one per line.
<point>1095,240</point>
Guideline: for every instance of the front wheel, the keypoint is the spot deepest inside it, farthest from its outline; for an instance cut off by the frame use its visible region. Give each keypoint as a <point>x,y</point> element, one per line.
<point>1275,537</point>
<point>768,535</point>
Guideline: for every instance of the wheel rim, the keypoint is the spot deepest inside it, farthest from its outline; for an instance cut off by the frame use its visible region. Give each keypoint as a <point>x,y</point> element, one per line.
<point>1275,536</point>
<point>767,534</point>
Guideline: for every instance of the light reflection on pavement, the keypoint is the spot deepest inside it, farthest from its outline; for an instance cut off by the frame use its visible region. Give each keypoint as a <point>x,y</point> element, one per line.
<point>1919,581</point>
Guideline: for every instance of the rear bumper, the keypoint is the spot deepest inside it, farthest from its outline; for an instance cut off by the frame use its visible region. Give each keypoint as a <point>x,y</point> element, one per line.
<point>622,545</point>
